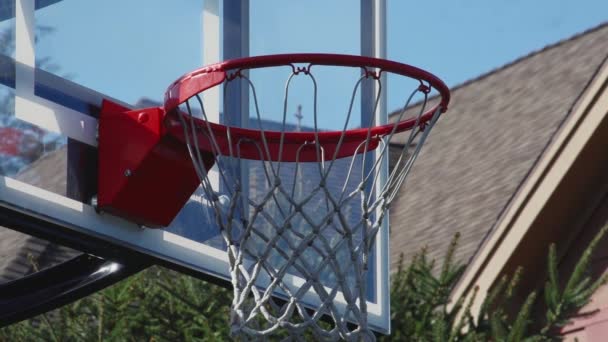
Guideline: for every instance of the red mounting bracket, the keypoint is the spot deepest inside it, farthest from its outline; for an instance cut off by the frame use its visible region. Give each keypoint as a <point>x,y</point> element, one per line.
<point>145,174</point>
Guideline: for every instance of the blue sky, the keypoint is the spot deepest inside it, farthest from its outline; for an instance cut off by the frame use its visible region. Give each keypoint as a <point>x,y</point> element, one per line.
<point>130,49</point>
<point>463,38</point>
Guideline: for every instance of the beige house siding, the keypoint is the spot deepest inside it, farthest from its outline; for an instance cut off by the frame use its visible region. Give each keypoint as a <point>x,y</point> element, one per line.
<point>592,324</point>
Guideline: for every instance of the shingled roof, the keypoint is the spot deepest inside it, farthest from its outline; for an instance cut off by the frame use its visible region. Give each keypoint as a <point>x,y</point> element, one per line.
<point>21,254</point>
<point>481,151</point>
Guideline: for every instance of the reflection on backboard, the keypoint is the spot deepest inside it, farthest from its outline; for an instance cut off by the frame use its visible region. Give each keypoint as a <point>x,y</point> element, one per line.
<point>57,64</point>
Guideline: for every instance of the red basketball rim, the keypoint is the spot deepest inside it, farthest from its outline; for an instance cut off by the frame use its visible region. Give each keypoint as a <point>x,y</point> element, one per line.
<point>210,76</point>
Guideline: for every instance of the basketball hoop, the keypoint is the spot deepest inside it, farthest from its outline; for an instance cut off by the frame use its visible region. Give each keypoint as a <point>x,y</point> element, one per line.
<point>296,233</point>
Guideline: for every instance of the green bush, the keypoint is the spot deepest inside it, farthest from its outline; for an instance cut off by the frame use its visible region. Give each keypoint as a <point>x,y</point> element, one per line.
<point>154,305</point>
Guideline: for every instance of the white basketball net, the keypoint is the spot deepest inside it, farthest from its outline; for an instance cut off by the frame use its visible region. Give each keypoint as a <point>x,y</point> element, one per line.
<point>300,235</point>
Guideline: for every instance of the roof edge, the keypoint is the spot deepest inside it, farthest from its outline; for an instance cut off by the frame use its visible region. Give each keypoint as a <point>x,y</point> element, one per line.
<point>530,55</point>
<point>514,62</point>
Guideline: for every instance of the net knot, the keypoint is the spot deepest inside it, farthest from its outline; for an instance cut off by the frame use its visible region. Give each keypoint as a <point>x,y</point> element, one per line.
<point>373,74</point>
<point>424,88</point>
<point>423,126</point>
<point>300,69</point>
<point>234,75</point>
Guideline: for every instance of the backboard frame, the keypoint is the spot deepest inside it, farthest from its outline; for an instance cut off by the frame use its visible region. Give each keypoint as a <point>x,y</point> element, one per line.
<point>69,221</point>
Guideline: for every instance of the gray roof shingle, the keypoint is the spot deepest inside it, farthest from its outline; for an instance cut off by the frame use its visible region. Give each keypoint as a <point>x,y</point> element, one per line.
<point>19,251</point>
